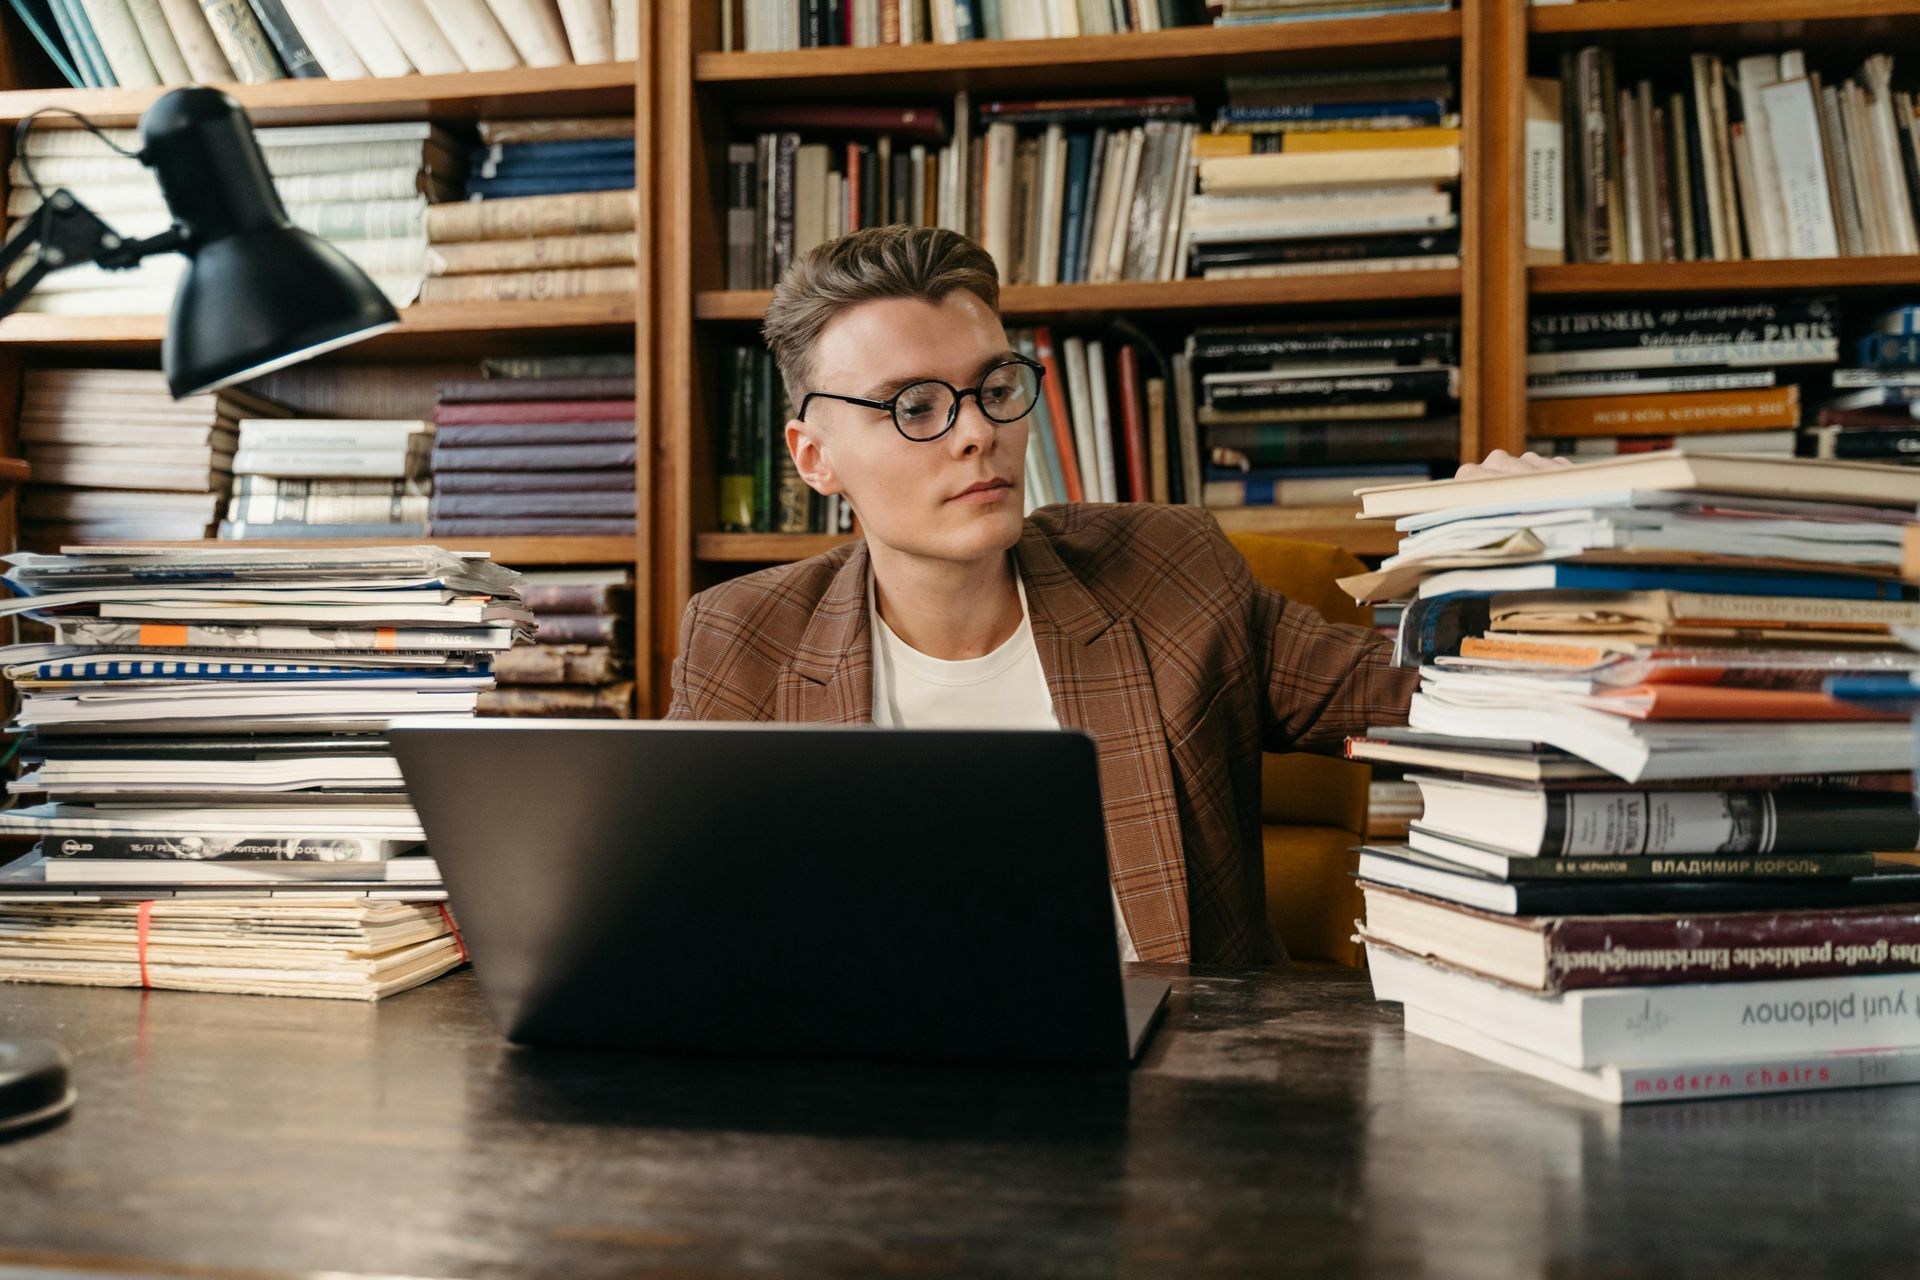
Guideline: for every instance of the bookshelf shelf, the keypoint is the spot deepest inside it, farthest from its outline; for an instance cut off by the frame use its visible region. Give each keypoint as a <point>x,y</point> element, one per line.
<point>606,88</point>
<point>1767,275</point>
<point>1752,17</point>
<point>763,548</point>
<point>1030,301</point>
<point>432,330</point>
<point>511,552</point>
<point>1182,53</point>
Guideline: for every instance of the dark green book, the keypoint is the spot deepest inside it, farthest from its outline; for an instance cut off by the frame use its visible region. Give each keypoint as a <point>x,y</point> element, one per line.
<point>736,455</point>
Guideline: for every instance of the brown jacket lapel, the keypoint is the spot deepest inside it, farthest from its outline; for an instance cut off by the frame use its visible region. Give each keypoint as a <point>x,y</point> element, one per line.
<point>830,680</point>
<point>1097,672</point>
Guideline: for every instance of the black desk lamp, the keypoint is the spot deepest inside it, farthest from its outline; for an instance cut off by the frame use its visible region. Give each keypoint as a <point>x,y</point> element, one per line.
<point>259,293</point>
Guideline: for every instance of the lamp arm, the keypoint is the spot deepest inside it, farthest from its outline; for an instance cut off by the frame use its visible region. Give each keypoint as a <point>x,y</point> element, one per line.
<point>69,234</point>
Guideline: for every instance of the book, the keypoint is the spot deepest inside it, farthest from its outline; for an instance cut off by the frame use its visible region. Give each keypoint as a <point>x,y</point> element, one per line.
<point>1506,865</point>
<point>533,254</point>
<point>585,213</point>
<point>1849,482</point>
<point>1569,953</point>
<point>475,33</point>
<point>548,409</point>
<point>1547,822</point>
<point>1690,411</point>
<point>242,41</point>
<point>520,286</point>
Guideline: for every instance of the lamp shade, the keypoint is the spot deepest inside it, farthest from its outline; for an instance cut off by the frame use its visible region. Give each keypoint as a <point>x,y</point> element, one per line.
<point>259,293</point>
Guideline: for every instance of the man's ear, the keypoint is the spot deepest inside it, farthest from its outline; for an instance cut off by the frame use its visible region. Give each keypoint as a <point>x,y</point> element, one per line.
<point>810,458</point>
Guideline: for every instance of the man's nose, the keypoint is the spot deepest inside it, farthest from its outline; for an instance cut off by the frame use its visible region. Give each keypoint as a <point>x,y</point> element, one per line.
<point>972,429</point>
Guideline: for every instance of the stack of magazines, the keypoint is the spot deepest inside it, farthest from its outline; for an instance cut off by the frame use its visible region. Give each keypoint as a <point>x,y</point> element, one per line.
<point>205,726</point>
<point>1655,858</point>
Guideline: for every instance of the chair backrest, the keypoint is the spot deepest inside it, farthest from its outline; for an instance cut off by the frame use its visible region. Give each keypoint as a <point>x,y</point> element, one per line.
<point>1300,788</point>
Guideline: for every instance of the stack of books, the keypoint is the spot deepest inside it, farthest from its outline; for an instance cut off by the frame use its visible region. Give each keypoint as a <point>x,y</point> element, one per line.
<point>1873,414</point>
<point>763,26</point>
<point>581,661</point>
<point>136,43</point>
<point>520,456</point>
<point>760,489</point>
<point>1250,12</point>
<point>1645,861</point>
<point>551,157</point>
<point>1754,159</point>
<point>524,248</point>
<point>330,478</point>
<point>205,725</point>
<point>1295,417</point>
<point>1324,172</point>
<point>363,187</point>
<point>116,458</point>
<point>1721,377</point>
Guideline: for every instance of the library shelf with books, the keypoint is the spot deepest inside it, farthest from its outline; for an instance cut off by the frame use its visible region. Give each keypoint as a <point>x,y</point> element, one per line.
<point>1080,61</point>
<point>1821,274</point>
<point>1743,20</point>
<point>700,323</point>
<point>395,373</point>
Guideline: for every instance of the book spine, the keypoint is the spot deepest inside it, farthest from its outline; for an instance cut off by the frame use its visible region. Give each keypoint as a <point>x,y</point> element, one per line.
<point>1741,355</point>
<point>605,502</point>
<point>1410,384</point>
<point>222,846</point>
<point>162,49</point>
<point>119,39</point>
<point>475,34</point>
<point>72,25</point>
<point>610,701</point>
<point>247,486</point>
<point>1719,322</point>
<point>560,524</point>
<point>743,228</point>
<point>536,30</point>
<point>420,38</point>
<point>541,253</point>
<point>274,509</point>
<point>287,41</point>
<point>521,481</point>
<point>495,389</point>
<point>581,213</point>
<point>1680,822</point>
<point>736,453</point>
<point>596,598</point>
<point>241,40</point>
<point>1132,423</point>
<point>557,457</point>
<point>1308,443</point>
<point>519,412</point>
<point>553,367</point>
<point>538,664</point>
<point>522,286</point>
<point>1597,952</point>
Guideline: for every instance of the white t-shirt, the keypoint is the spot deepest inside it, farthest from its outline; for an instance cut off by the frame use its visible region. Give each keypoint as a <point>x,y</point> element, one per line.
<point>1005,689</point>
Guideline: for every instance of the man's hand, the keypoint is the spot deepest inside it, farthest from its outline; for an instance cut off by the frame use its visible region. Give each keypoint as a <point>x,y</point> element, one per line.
<point>1502,463</point>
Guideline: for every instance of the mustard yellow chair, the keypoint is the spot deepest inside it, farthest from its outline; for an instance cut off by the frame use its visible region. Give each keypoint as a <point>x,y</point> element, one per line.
<point>1313,808</point>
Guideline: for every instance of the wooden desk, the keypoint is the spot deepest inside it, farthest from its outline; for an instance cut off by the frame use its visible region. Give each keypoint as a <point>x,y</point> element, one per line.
<point>1281,1125</point>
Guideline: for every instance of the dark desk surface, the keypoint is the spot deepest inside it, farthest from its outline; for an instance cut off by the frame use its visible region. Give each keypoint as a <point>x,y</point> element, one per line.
<point>1280,1125</point>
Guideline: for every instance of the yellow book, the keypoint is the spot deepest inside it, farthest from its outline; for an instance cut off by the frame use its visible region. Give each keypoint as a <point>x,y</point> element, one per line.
<point>1362,139</point>
<point>1206,145</point>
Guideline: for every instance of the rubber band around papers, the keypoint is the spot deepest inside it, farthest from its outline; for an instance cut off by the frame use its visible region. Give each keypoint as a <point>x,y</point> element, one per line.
<point>143,922</point>
<point>459,942</point>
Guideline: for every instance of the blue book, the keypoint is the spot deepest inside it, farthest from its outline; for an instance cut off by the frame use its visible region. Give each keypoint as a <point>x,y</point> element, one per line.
<point>1376,11</point>
<point>550,168</point>
<point>560,148</point>
<point>1902,322</point>
<point>497,188</point>
<point>73,24</point>
<point>1079,161</point>
<point>1416,108</point>
<point>1882,351</point>
<point>1603,577</point>
<point>44,25</point>
<point>963,23</point>
<point>1890,692</point>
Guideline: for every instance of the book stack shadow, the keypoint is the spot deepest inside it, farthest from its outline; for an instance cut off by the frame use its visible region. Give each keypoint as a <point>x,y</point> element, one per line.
<point>1655,857</point>
<point>218,809</point>
<point>581,661</point>
<point>116,458</point>
<point>534,456</point>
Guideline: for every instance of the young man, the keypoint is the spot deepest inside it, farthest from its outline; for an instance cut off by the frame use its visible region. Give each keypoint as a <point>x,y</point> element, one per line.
<point>1136,623</point>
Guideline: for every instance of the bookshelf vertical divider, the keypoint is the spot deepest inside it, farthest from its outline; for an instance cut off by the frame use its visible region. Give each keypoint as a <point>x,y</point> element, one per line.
<point>1493,408</point>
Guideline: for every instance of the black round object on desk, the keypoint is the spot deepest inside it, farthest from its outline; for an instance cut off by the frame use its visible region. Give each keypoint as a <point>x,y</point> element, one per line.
<point>35,1087</point>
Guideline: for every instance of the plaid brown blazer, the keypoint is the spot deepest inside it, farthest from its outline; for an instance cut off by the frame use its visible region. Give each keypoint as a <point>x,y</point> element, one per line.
<point>1155,641</point>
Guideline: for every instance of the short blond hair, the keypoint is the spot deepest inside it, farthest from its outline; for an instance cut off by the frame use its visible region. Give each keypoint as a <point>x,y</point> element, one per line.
<point>865,266</point>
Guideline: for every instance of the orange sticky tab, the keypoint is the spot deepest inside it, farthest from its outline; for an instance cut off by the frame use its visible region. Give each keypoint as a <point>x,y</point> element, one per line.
<point>159,633</point>
<point>386,638</point>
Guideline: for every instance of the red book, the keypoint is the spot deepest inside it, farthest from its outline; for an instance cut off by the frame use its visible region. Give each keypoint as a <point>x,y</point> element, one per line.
<point>1054,385</point>
<point>852,211</point>
<point>1133,424</point>
<point>533,411</point>
<point>917,123</point>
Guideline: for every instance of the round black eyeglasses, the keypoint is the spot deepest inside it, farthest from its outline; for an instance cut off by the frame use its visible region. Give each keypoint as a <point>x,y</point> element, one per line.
<point>927,410</point>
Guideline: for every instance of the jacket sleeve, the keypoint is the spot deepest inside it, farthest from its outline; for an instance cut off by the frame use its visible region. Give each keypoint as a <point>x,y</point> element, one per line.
<point>682,706</point>
<point>1325,681</point>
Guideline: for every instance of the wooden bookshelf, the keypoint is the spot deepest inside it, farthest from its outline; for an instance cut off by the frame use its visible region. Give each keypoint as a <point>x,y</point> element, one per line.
<point>1032,302</point>
<point>431,341</point>
<point>697,87</point>
<point>605,88</point>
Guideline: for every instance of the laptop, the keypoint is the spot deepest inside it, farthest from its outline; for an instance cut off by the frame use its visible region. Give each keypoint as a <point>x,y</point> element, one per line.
<point>776,889</point>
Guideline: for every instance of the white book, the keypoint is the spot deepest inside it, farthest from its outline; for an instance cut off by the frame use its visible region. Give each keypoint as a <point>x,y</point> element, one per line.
<point>1073,357</point>
<point>169,63</point>
<point>1754,74</point>
<point>626,30</point>
<point>1258,174</point>
<point>321,464</point>
<point>1100,228</point>
<point>403,870</point>
<point>1368,266</point>
<point>329,433</point>
<point>1101,414</point>
<point>126,54</point>
<point>1039,491</point>
<point>1800,167</point>
<point>1633,206</point>
<point>1120,213</point>
<point>1862,157</point>
<point>1891,173</point>
<point>811,197</point>
<point>1662,1026</point>
<point>1703,355</point>
<point>1710,1078</point>
<point>536,30</point>
<point>420,37</point>
<point>1716,229</point>
<point>188,23</point>
<point>1853,238</point>
<point>360,23</point>
<point>1737,247</point>
<point>998,240</point>
<point>1180,191</point>
<point>1053,169</point>
<point>476,36</point>
<point>589,26</point>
